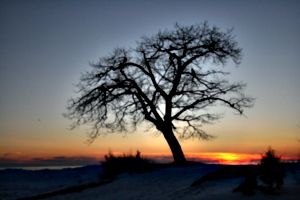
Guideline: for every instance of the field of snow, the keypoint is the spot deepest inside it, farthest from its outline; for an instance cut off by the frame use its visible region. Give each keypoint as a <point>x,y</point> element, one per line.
<point>162,183</point>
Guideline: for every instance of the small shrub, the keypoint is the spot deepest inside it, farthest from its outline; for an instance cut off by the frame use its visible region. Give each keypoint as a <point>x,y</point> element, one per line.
<point>127,163</point>
<point>272,170</point>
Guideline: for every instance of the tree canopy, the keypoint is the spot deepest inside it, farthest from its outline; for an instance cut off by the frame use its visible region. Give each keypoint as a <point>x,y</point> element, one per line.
<point>165,80</point>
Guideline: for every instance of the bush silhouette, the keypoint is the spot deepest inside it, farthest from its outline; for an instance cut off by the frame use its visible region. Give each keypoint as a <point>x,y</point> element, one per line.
<point>127,163</point>
<point>272,169</point>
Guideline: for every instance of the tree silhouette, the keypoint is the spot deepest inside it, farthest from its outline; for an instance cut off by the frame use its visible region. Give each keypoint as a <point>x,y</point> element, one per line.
<point>162,81</point>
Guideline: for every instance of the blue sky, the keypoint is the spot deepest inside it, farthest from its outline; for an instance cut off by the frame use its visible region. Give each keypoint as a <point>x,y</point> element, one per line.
<point>45,45</point>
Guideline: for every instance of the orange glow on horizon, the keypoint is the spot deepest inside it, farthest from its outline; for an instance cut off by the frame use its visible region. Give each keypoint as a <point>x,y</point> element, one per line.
<point>218,157</point>
<point>233,158</point>
<point>224,158</point>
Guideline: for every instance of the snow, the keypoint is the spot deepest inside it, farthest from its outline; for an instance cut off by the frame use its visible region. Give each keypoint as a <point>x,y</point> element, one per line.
<point>162,183</point>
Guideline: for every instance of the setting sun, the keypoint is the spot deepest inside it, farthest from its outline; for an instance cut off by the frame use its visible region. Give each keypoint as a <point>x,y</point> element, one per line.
<point>52,56</point>
<point>142,99</point>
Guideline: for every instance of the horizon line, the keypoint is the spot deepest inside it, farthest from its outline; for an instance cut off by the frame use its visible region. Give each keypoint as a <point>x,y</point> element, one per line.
<point>205,157</point>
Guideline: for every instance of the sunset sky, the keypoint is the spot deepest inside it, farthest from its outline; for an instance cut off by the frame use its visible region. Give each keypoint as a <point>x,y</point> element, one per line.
<point>46,45</point>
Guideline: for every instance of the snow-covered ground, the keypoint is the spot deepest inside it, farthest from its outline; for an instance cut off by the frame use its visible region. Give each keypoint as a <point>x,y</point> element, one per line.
<point>162,183</point>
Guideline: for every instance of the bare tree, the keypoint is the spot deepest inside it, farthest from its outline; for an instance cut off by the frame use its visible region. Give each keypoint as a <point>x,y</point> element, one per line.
<point>162,81</point>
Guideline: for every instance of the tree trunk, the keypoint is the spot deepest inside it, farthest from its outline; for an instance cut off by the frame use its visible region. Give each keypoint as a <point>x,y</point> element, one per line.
<point>174,145</point>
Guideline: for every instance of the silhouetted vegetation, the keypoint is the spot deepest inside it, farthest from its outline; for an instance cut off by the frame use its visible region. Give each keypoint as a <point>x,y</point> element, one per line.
<point>272,170</point>
<point>127,163</point>
<point>168,69</point>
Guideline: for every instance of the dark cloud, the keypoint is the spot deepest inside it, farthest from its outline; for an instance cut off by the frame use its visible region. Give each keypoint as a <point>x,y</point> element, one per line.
<point>11,153</point>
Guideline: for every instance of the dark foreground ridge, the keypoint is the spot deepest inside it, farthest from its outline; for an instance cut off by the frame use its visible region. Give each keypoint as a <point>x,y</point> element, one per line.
<point>228,171</point>
<point>68,190</point>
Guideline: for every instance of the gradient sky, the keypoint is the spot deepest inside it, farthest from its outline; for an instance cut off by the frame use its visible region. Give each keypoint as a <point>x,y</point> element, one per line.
<point>45,45</point>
